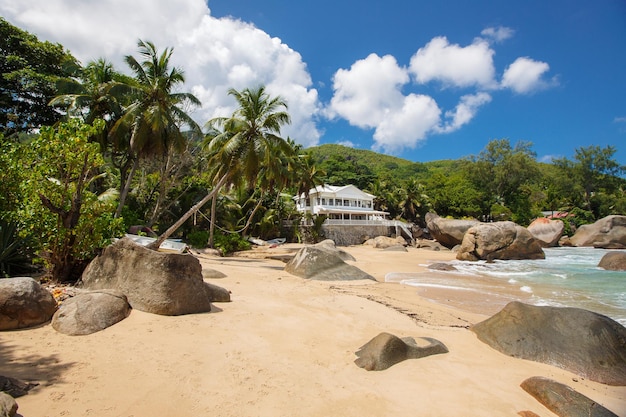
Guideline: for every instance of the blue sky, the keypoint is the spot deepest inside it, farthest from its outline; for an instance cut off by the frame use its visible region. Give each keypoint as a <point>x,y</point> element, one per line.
<point>422,80</point>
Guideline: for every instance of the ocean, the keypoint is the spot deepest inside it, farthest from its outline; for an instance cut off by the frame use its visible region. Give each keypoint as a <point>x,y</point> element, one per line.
<point>568,277</point>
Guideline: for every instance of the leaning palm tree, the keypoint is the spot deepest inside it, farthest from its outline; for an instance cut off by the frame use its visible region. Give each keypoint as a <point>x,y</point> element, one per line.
<point>241,146</point>
<point>153,121</point>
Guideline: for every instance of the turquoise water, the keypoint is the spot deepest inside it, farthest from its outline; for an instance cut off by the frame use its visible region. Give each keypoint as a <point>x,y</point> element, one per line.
<point>568,277</point>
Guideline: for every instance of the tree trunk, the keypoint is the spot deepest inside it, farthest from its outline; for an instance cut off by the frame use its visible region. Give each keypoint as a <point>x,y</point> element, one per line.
<point>156,244</point>
<point>212,225</point>
<point>126,188</point>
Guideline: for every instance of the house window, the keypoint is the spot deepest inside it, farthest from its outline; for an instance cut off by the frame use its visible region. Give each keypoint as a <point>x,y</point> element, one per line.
<point>323,201</point>
<point>337,202</point>
<point>318,201</point>
<point>330,201</point>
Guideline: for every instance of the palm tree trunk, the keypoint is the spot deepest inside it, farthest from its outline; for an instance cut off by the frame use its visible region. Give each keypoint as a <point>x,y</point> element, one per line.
<point>126,188</point>
<point>212,225</point>
<point>157,243</point>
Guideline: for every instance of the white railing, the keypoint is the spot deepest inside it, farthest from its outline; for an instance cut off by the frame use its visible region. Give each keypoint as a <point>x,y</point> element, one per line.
<point>346,222</point>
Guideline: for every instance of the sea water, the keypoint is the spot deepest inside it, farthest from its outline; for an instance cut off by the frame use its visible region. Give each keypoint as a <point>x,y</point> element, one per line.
<point>567,277</point>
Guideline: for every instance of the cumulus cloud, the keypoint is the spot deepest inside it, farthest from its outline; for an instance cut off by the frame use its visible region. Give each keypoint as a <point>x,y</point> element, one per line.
<point>454,65</point>
<point>464,112</point>
<point>497,34</point>
<point>525,75</point>
<point>216,54</point>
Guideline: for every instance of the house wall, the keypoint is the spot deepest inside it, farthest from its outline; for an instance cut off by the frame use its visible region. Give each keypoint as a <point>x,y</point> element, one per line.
<point>355,235</point>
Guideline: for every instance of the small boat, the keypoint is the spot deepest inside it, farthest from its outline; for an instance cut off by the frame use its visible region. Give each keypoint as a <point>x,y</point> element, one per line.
<point>168,245</point>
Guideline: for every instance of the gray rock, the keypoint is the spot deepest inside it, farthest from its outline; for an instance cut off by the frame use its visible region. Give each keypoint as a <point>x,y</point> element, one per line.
<point>316,263</point>
<point>441,266</point>
<point>396,248</point>
<point>613,261</point>
<point>208,273</point>
<point>15,387</point>
<point>386,350</point>
<point>8,406</point>
<point>90,312</point>
<point>608,233</point>
<point>217,293</point>
<point>329,246</point>
<point>546,231</point>
<point>580,341</point>
<point>448,232</point>
<point>155,282</point>
<point>383,242</point>
<point>24,303</point>
<point>499,240</point>
<point>563,400</point>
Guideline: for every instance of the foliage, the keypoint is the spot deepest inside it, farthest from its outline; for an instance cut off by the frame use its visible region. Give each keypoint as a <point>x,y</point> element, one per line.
<point>14,257</point>
<point>66,220</point>
<point>230,242</point>
<point>198,239</point>
<point>29,71</point>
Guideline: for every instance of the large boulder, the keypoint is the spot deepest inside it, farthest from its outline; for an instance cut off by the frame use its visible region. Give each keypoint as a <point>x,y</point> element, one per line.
<point>386,350</point>
<point>608,233</point>
<point>169,284</point>
<point>499,240</point>
<point>546,231</point>
<point>24,303</point>
<point>563,400</point>
<point>8,406</point>
<point>90,312</point>
<point>329,246</point>
<point>580,341</point>
<point>613,261</point>
<point>317,263</point>
<point>383,242</point>
<point>448,232</point>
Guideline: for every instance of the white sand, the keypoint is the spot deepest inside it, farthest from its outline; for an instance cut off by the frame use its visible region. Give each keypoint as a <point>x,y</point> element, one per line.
<point>284,346</point>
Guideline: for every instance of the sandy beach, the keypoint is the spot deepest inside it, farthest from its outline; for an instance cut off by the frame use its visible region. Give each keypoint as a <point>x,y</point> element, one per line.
<point>285,346</point>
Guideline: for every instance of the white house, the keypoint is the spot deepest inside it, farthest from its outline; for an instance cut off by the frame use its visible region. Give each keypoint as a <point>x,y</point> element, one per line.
<point>341,204</point>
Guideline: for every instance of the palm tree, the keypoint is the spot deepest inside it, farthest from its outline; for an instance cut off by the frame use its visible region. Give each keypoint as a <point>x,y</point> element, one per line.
<point>243,145</point>
<point>414,203</point>
<point>153,121</point>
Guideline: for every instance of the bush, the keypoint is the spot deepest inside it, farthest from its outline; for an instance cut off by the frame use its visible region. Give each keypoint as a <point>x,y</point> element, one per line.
<point>198,239</point>
<point>13,251</point>
<point>230,242</point>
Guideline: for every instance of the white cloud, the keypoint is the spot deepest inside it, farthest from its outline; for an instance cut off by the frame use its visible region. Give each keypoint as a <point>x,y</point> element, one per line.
<point>498,34</point>
<point>368,91</point>
<point>524,76</point>
<point>216,54</point>
<point>464,112</point>
<point>454,65</point>
<point>407,126</point>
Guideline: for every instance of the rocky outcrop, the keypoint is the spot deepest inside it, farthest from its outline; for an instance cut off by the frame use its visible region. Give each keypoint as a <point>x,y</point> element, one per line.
<point>563,400</point>
<point>90,312</point>
<point>383,242</point>
<point>448,232</point>
<point>546,231</point>
<point>607,233</point>
<point>8,406</point>
<point>386,350</point>
<point>317,263</point>
<point>499,240</point>
<point>580,341</point>
<point>24,303</point>
<point>329,246</point>
<point>613,261</point>
<point>155,282</point>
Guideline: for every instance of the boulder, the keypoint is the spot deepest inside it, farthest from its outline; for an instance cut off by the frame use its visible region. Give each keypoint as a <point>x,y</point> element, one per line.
<point>499,240</point>
<point>24,303</point>
<point>608,233</point>
<point>448,232</point>
<point>163,283</point>
<point>15,387</point>
<point>563,400</point>
<point>383,242</point>
<point>441,266</point>
<point>546,231</point>
<point>396,248</point>
<point>430,245</point>
<point>580,341</point>
<point>208,273</point>
<point>313,262</point>
<point>217,293</point>
<point>90,312</point>
<point>8,406</point>
<point>386,350</point>
<point>613,261</point>
<point>329,246</point>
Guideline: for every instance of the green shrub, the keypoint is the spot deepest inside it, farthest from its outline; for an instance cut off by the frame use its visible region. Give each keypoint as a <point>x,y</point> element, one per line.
<point>198,239</point>
<point>230,242</point>
<point>13,251</point>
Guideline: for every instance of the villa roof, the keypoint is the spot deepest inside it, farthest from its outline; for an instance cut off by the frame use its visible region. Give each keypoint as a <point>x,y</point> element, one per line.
<point>343,190</point>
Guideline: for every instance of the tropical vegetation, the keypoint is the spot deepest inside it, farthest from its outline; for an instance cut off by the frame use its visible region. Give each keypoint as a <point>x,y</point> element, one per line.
<point>86,152</point>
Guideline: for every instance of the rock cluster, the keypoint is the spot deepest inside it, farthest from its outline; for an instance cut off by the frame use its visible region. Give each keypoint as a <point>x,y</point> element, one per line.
<point>608,233</point>
<point>499,240</point>
<point>448,232</point>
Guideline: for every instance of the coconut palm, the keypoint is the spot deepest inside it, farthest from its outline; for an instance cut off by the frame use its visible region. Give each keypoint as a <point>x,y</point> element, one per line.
<point>243,145</point>
<point>153,121</point>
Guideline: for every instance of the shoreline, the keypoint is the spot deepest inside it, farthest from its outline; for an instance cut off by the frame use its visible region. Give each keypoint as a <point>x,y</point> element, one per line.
<point>283,346</point>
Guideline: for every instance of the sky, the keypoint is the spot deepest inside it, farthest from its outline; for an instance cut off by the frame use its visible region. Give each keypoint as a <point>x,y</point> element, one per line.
<point>419,79</point>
